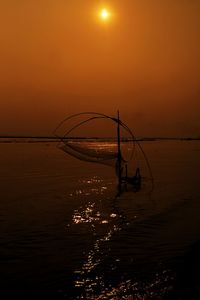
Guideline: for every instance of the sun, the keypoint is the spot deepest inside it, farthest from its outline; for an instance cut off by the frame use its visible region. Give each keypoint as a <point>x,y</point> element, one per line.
<point>104,14</point>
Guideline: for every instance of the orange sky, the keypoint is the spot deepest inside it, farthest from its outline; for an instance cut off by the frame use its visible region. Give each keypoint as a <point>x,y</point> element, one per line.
<point>58,58</point>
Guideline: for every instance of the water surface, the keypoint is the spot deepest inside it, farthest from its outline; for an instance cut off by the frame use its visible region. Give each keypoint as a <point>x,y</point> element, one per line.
<point>65,235</point>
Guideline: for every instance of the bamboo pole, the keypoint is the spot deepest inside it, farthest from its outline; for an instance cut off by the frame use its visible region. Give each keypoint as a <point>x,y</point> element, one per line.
<point>119,154</point>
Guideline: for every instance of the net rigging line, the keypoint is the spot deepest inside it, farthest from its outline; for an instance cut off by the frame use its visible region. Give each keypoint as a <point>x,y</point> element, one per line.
<point>102,116</point>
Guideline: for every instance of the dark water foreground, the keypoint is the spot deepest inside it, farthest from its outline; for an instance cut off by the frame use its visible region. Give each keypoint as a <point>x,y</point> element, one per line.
<point>64,235</point>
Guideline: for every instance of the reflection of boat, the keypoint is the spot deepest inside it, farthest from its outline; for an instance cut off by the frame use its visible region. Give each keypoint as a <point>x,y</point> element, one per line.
<point>98,151</point>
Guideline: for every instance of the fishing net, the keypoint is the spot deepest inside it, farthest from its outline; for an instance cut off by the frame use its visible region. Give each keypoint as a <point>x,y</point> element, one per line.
<point>100,152</point>
<point>107,151</point>
<point>80,139</point>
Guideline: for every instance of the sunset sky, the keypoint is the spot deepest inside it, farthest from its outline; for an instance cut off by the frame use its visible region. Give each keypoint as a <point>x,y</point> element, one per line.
<point>59,57</point>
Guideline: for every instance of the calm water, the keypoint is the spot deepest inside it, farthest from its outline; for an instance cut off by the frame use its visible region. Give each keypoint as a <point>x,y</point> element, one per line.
<point>64,234</point>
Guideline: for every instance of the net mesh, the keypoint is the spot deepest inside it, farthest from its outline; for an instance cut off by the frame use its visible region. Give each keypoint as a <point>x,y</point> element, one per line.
<point>96,152</point>
<point>117,152</point>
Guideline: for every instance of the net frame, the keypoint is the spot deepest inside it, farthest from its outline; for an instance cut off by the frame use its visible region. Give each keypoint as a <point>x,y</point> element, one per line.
<point>94,116</point>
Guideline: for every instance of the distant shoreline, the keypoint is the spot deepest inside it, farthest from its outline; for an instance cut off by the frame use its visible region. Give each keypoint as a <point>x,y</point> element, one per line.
<point>11,139</point>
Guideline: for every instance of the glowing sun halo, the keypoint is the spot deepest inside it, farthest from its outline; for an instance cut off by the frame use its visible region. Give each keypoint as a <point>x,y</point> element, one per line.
<point>104,14</point>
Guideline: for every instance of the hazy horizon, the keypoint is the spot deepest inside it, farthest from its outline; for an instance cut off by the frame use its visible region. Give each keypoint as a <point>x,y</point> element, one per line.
<point>59,58</point>
<point>40,137</point>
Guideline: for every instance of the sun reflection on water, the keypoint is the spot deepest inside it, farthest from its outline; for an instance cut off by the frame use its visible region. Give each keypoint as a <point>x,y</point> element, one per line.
<point>158,287</point>
<point>102,219</point>
<point>102,224</point>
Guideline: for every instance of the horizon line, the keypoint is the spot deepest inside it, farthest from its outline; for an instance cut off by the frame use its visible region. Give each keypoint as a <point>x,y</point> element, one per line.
<point>78,137</point>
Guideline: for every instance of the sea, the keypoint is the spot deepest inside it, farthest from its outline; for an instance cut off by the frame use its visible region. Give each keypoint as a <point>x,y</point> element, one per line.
<point>65,233</point>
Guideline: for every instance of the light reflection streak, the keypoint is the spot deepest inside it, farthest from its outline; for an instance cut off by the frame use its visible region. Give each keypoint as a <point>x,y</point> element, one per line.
<point>93,286</point>
<point>158,287</point>
<point>91,186</point>
<point>89,278</point>
<point>103,227</point>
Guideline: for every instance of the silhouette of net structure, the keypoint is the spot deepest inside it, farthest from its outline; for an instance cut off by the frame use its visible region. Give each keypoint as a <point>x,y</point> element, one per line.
<point>96,150</point>
<point>117,151</point>
<point>91,151</point>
